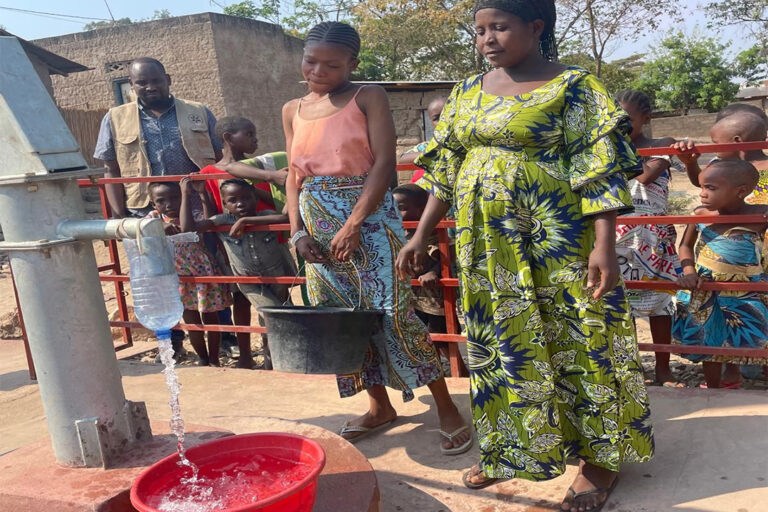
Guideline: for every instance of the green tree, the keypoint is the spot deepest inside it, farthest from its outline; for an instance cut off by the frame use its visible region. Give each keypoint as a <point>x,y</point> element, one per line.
<point>689,72</point>
<point>93,25</point>
<point>426,40</point>
<point>618,75</point>
<point>593,26</point>
<point>159,14</point>
<point>749,14</point>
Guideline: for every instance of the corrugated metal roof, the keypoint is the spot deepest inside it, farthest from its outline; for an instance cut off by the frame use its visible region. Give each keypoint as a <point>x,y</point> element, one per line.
<point>752,92</point>
<point>56,63</point>
<point>413,86</point>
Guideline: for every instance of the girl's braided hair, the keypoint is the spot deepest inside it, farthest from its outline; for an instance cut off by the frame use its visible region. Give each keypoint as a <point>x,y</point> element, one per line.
<point>530,10</point>
<point>636,98</point>
<point>337,33</point>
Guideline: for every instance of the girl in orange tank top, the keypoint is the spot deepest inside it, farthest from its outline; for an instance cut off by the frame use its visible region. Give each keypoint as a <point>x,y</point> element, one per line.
<point>344,223</point>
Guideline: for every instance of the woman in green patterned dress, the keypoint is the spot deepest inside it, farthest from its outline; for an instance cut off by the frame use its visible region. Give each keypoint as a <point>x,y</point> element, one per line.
<point>536,157</point>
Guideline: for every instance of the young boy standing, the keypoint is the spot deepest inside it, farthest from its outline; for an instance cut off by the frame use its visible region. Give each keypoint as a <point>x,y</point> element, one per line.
<point>250,253</point>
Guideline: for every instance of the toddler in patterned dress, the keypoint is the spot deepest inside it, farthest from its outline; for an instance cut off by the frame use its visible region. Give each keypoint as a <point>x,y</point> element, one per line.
<point>201,302</point>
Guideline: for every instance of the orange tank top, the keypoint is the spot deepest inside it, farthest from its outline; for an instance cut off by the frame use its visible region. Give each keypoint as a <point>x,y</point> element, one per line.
<point>335,145</point>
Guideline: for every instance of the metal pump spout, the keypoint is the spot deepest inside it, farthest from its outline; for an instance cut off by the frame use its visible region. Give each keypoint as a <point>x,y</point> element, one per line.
<point>51,254</point>
<point>109,229</point>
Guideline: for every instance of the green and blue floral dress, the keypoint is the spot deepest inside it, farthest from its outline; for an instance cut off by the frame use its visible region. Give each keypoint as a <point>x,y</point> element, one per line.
<point>554,374</point>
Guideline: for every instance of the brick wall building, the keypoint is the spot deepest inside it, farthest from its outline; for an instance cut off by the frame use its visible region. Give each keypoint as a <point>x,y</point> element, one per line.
<point>235,66</point>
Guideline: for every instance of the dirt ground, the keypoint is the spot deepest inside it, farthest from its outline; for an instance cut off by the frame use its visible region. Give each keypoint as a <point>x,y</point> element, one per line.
<point>683,197</point>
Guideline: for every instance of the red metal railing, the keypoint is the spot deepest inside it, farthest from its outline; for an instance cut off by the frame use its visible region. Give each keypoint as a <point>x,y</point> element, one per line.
<point>449,284</point>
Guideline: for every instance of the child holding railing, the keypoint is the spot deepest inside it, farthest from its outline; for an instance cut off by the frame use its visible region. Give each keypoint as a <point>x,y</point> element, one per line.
<point>734,125</point>
<point>202,302</point>
<point>428,298</point>
<point>723,253</point>
<point>647,251</point>
<point>250,253</point>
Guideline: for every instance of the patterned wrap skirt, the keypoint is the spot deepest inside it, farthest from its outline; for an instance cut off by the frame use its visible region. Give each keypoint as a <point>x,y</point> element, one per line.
<point>402,355</point>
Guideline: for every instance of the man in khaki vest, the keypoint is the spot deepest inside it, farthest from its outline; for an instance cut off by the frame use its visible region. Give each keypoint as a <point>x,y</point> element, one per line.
<point>158,135</point>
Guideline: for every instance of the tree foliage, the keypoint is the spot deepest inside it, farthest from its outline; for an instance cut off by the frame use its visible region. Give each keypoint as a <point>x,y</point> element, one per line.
<point>297,17</point>
<point>749,14</point>
<point>595,26</point>
<point>689,72</point>
<point>426,40</point>
<point>618,75</point>
<point>160,14</point>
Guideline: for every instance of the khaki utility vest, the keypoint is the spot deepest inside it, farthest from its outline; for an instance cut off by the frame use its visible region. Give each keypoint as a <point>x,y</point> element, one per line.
<point>132,154</point>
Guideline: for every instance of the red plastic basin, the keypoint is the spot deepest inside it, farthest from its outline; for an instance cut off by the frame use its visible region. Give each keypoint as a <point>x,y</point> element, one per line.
<point>254,457</point>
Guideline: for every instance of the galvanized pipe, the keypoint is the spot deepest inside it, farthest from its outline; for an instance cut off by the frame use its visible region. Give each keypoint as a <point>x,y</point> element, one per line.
<point>109,229</point>
<point>89,420</point>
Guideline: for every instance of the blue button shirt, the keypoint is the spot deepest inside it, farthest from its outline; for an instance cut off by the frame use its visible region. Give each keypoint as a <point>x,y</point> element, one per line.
<point>162,140</point>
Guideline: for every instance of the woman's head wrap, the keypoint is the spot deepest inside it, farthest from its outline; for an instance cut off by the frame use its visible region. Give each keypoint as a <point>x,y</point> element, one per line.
<point>530,10</point>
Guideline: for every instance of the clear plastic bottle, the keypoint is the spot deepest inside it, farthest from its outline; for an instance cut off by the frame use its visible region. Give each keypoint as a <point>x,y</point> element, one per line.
<point>158,306</point>
<point>154,283</point>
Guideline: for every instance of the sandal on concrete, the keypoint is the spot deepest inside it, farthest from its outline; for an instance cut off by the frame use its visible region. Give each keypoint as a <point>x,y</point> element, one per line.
<point>575,495</point>
<point>346,428</point>
<point>469,485</point>
<point>456,450</point>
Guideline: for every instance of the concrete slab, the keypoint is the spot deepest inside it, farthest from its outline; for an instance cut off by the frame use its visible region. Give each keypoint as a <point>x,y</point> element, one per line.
<point>711,444</point>
<point>32,481</point>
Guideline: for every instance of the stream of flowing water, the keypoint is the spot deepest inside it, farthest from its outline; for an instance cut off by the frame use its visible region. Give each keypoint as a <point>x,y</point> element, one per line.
<point>237,483</point>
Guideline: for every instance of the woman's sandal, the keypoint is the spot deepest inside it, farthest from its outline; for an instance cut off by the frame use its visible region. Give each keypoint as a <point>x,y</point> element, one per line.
<point>575,495</point>
<point>364,431</point>
<point>470,485</point>
<point>456,450</point>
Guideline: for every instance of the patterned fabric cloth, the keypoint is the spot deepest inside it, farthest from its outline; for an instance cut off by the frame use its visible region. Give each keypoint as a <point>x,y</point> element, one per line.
<point>647,252</point>
<point>760,194</point>
<point>193,259</point>
<point>402,356</point>
<point>553,373</point>
<point>725,319</point>
<point>166,153</point>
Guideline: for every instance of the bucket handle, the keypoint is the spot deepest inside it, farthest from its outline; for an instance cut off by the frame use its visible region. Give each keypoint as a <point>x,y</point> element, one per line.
<point>359,280</point>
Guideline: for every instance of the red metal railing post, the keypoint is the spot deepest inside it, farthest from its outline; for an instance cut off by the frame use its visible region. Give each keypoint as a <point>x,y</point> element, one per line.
<point>449,284</point>
<point>30,362</point>
<point>449,302</point>
<point>114,266</point>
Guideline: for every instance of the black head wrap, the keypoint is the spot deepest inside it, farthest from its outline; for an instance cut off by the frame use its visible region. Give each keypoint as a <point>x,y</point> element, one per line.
<point>530,10</point>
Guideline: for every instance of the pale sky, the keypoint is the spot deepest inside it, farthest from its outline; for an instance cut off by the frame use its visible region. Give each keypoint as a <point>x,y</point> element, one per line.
<point>29,26</point>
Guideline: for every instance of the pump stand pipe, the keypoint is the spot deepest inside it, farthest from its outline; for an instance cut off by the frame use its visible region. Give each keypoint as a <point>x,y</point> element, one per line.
<point>90,421</point>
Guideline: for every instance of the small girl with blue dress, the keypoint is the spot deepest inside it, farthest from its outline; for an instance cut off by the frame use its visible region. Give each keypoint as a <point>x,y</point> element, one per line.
<point>723,253</point>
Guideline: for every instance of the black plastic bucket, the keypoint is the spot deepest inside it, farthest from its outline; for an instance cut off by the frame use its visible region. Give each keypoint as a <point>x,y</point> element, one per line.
<point>319,340</point>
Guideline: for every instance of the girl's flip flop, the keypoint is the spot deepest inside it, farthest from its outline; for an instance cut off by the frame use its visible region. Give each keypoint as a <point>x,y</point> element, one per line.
<point>470,485</point>
<point>456,450</point>
<point>363,431</point>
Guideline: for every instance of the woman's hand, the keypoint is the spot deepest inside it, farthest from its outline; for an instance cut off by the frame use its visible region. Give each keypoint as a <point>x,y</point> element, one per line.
<point>690,280</point>
<point>308,248</point>
<point>603,270</point>
<point>410,259</point>
<point>345,243</point>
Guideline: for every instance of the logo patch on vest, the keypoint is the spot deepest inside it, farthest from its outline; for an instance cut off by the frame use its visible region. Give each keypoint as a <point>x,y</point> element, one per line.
<point>196,120</point>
